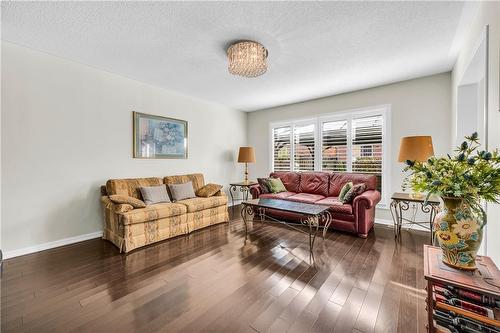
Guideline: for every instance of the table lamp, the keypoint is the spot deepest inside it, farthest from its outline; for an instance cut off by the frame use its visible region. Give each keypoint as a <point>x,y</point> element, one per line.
<point>415,148</point>
<point>246,155</point>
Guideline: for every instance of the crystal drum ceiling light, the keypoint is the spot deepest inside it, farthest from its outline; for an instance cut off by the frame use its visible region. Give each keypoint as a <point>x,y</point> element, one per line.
<point>247,59</point>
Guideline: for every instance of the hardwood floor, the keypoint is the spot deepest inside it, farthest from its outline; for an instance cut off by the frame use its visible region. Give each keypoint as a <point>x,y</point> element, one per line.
<point>214,281</point>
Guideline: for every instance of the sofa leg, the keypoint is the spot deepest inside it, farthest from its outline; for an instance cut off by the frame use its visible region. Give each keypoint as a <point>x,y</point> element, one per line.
<point>363,235</point>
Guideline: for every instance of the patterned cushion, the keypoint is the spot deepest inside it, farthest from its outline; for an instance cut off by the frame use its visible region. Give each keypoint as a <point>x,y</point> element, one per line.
<point>344,191</point>
<point>130,187</point>
<point>263,183</point>
<point>124,199</point>
<point>153,212</point>
<point>154,194</point>
<point>123,208</point>
<point>208,190</point>
<point>276,185</point>
<point>354,192</point>
<point>181,191</point>
<point>197,204</point>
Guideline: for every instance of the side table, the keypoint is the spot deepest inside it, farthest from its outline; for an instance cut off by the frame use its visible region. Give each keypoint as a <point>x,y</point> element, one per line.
<point>244,188</point>
<point>461,301</point>
<point>400,202</point>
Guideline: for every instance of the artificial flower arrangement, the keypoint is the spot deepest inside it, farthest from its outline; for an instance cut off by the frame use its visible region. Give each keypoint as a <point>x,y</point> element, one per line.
<point>464,182</point>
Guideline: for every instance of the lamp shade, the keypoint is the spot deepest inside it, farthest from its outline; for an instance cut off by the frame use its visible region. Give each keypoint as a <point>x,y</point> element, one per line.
<point>415,148</point>
<point>246,155</point>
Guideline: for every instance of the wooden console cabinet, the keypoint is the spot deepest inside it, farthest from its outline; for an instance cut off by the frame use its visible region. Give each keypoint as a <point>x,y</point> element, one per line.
<point>471,299</point>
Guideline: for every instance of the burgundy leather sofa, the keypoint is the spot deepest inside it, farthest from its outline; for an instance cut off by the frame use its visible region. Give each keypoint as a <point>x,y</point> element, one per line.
<point>323,188</point>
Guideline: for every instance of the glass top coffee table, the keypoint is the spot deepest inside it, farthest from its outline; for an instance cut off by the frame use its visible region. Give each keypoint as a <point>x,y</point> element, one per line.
<point>314,216</point>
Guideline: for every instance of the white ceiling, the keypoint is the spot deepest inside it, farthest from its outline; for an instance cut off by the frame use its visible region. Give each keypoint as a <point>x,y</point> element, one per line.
<point>316,49</point>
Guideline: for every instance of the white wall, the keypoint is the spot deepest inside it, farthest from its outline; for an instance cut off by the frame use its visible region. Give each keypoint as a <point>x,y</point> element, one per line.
<point>488,14</point>
<point>67,128</point>
<point>418,107</point>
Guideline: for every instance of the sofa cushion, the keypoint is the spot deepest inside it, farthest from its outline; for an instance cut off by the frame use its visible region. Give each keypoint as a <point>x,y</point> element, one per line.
<point>199,203</point>
<point>290,179</point>
<point>196,178</point>
<point>181,191</point>
<point>208,190</point>
<point>306,197</point>
<point>154,194</point>
<point>264,188</point>
<point>153,212</point>
<point>276,185</point>
<point>336,205</point>
<point>281,195</point>
<point>354,192</point>
<point>130,187</point>
<point>125,199</point>
<point>314,183</point>
<point>338,180</point>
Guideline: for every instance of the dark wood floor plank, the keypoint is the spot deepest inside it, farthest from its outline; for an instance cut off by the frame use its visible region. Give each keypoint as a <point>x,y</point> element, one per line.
<point>214,281</point>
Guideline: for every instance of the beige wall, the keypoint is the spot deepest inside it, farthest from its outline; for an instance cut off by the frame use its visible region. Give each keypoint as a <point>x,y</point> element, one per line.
<point>418,107</point>
<point>67,128</point>
<point>488,14</point>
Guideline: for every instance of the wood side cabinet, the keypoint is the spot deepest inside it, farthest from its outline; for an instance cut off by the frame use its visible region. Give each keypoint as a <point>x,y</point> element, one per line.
<point>461,299</point>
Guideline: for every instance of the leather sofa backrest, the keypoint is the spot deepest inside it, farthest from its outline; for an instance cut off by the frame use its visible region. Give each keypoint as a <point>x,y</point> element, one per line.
<point>290,179</point>
<point>314,183</point>
<point>337,180</point>
<point>130,186</point>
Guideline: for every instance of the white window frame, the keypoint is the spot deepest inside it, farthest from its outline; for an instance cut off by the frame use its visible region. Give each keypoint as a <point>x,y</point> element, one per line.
<point>349,115</point>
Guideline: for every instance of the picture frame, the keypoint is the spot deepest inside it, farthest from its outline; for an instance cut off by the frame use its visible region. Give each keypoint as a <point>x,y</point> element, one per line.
<point>158,137</point>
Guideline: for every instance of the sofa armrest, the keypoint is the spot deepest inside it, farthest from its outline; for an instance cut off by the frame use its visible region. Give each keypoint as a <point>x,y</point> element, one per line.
<point>255,191</point>
<point>370,199</point>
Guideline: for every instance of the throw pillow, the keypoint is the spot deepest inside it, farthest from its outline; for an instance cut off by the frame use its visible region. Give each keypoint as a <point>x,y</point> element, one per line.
<point>354,192</point>
<point>123,208</point>
<point>276,185</point>
<point>208,190</point>
<point>264,185</point>
<point>344,191</point>
<point>181,191</point>
<point>124,199</point>
<point>154,194</point>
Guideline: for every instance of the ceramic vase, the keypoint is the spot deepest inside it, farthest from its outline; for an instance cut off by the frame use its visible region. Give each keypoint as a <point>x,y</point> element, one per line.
<point>458,233</point>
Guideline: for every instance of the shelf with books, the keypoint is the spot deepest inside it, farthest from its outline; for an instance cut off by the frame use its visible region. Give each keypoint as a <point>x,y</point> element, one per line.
<point>461,301</point>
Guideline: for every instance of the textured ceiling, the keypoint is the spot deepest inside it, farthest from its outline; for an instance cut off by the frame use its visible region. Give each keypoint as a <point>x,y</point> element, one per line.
<point>316,49</point>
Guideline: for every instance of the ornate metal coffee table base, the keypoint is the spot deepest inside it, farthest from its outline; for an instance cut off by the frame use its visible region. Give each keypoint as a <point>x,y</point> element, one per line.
<point>311,222</point>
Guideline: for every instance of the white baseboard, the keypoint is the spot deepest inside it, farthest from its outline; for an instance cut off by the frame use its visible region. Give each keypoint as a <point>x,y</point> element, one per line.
<point>51,245</point>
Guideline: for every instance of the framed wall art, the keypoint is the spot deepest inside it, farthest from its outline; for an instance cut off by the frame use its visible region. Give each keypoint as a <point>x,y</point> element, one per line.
<point>159,137</point>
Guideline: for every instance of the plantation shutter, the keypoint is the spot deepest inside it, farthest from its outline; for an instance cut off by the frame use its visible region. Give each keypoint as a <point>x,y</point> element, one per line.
<point>334,146</point>
<point>304,147</point>
<point>366,148</point>
<point>281,148</point>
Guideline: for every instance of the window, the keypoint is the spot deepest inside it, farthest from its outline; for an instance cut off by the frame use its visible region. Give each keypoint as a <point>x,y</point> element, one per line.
<point>281,148</point>
<point>334,146</point>
<point>303,140</point>
<point>355,141</point>
<point>367,146</point>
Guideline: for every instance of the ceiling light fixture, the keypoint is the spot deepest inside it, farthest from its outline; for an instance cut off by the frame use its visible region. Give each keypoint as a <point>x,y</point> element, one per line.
<point>247,59</point>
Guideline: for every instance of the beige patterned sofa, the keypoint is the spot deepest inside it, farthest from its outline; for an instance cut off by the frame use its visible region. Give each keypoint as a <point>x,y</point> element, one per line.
<point>130,228</point>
